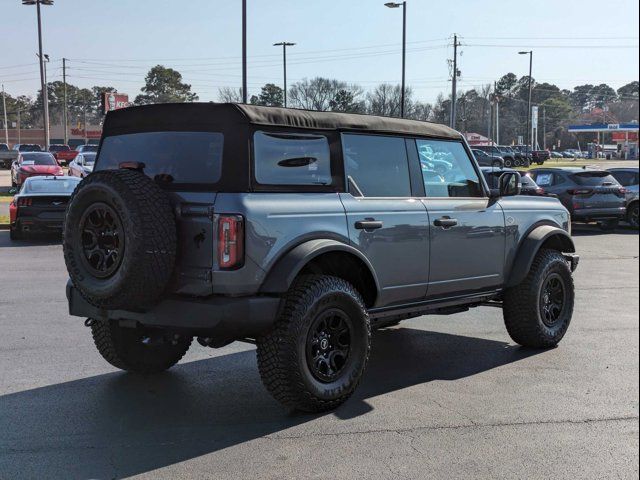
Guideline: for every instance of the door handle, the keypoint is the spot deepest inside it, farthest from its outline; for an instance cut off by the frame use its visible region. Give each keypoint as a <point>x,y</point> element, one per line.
<point>445,222</point>
<point>368,225</point>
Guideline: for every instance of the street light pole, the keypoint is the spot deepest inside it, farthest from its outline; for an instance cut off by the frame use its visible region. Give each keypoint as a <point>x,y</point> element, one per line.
<point>404,49</point>
<point>43,85</point>
<point>244,51</point>
<point>529,139</point>
<point>284,64</point>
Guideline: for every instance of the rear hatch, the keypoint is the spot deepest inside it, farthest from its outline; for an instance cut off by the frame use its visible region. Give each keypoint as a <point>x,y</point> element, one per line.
<point>43,207</point>
<point>597,190</point>
<point>186,164</point>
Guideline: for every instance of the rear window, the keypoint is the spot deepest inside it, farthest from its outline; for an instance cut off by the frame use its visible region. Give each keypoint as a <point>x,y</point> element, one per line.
<point>30,148</point>
<point>89,148</point>
<point>291,159</point>
<point>593,179</point>
<point>3,147</point>
<point>168,157</point>
<point>59,148</point>
<point>38,159</point>
<point>36,185</point>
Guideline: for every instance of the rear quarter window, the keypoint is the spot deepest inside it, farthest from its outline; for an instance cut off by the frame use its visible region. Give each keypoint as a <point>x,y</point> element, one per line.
<point>291,159</point>
<point>168,157</point>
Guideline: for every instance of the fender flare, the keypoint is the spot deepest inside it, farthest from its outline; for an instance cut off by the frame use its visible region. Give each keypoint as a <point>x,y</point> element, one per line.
<point>531,245</point>
<point>285,270</point>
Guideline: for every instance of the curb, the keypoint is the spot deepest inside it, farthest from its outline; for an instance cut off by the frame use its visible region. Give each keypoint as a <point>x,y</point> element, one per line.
<point>4,226</point>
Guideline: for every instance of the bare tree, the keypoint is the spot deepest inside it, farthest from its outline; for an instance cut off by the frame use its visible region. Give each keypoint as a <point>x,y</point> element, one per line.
<point>230,95</point>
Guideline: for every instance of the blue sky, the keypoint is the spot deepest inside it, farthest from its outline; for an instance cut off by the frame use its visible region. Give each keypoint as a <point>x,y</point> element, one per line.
<point>114,42</point>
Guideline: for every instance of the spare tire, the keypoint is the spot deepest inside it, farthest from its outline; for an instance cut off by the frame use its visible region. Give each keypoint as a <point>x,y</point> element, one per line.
<point>120,240</point>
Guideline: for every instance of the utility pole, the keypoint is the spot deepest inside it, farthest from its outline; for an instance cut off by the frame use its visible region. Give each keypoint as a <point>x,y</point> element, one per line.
<point>544,128</point>
<point>244,51</point>
<point>454,81</point>
<point>18,126</point>
<point>284,64</point>
<point>497,121</point>
<point>6,125</point>
<point>404,48</point>
<point>65,122</point>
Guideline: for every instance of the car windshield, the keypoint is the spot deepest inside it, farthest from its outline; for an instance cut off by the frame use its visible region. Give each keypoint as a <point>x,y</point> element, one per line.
<point>89,148</point>
<point>594,179</point>
<point>59,148</point>
<point>3,147</point>
<point>30,148</point>
<point>49,185</point>
<point>38,159</point>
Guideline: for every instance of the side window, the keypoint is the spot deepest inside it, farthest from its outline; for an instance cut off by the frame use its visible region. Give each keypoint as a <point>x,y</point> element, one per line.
<point>291,159</point>
<point>447,170</point>
<point>558,179</point>
<point>377,164</point>
<point>544,179</point>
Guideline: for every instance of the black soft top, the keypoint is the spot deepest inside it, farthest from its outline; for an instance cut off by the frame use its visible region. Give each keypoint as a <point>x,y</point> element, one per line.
<point>206,116</point>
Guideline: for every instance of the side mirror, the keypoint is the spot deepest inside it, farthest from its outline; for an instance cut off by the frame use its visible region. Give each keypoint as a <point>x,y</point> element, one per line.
<point>510,184</point>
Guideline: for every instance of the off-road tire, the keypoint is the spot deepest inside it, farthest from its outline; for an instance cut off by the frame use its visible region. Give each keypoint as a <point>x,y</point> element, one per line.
<point>521,305</point>
<point>508,162</point>
<point>497,164</point>
<point>15,234</point>
<point>148,231</point>
<point>282,353</point>
<point>122,347</point>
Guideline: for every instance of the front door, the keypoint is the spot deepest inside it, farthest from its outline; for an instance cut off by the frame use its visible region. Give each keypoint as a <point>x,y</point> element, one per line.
<point>467,229</point>
<point>386,223</point>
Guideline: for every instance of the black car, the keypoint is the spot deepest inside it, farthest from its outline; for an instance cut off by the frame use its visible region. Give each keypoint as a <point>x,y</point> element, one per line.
<point>40,205</point>
<point>529,187</point>
<point>520,159</point>
<point>588,194</point>
<point>487,160</point>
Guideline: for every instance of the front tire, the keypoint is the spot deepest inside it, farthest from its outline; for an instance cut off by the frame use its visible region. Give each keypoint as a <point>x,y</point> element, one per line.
<point>537,312</point>
<point>632,215</point>
<point>314,357</point>
<point>608,225</point>
<point>508,163</point>
<point>137,350</point>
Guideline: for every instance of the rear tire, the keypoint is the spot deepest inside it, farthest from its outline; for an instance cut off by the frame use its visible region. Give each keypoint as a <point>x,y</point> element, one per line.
<point>632,215</point>
<point>14,234</point>
<point>124,348</point>
<point>316,353</point>
<point>537,312</point>
<point>608,225</point>
<point>497,164</point>
<point>508,162</point>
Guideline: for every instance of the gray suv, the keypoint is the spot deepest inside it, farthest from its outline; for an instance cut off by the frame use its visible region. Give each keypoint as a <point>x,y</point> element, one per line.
<point>300,232</point>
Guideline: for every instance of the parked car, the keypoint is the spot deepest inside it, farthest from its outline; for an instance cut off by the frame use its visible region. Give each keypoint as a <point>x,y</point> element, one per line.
<point>88,147</point>
<point>535,156</point>
<point>82,165</point>
<point>30,164</point>
<point>588,194</point>
<point>486,159</point>
<point>528,186</point>
<point>40,205</point>
<point>628,178</point>
<point>27,147</point>
<point>300,231</point>
<point>520,160</point>
<point>509,158</point>
<point>556,154</point>
<point>62,153</point>
<point>7,156</point>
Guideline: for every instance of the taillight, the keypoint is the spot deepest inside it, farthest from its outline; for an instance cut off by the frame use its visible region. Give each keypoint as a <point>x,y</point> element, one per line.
<point>580,191</point>
<point>13,212</point>
<point>24,202</point>
<point>540,191</point>
<point>230,242</point>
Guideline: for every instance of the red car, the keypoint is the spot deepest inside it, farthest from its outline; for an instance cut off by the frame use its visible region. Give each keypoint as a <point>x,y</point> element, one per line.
<point>31,164</point>
<point>63,153</point>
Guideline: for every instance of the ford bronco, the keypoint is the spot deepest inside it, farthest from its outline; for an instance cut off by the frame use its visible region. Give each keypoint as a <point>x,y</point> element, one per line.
<point>300,232</point>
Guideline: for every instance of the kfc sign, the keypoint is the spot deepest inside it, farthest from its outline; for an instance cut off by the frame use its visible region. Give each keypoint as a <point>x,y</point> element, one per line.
<point>114,101</point>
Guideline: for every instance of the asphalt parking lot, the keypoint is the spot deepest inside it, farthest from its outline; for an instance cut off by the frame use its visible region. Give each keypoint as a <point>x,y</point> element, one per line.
<point>443,397</point>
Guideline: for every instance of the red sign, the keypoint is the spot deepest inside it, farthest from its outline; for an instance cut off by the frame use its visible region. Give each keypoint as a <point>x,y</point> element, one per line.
<point>114,101</point>
<point>621,136</point>
<point>88,134</point>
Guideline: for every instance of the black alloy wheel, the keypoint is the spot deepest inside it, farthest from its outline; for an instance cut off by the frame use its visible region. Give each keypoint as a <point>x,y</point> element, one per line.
<point>103,241</point>
<point>552,299</point>
<point>329,344</point>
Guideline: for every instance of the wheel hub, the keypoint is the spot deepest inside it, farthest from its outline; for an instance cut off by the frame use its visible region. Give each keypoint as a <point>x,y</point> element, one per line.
<point>102,240</point>
<point>552,299</point>
<point>328,345</point>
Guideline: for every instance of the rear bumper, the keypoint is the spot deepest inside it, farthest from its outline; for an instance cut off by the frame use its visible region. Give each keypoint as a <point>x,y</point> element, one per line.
<point>596,213</point>
<point>222,318</point>
<point>35,224</point>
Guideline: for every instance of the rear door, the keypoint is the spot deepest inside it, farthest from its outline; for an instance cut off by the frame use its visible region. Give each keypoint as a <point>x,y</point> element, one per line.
<point>467,229</point>
<point>386,222</point>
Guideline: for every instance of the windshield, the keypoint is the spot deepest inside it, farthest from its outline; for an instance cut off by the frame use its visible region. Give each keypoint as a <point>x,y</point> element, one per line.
<point>30,148</point>
<point>3,147</point>
<point>49,185</point>
<point>38,159</point>
<point>58,148</point>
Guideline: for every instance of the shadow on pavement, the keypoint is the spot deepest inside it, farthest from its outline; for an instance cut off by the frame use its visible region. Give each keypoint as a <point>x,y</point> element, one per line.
<point>587,229</point>
<point>118,424</point>
<point>37,239</point>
